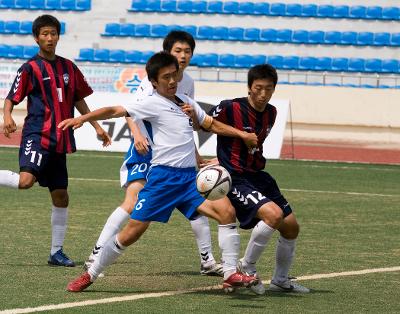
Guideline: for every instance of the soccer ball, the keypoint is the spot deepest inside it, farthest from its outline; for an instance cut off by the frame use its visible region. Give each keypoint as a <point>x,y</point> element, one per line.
<point>213,182</point>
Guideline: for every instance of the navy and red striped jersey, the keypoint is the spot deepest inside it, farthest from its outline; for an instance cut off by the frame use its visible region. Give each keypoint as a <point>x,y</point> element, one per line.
<point>52,88</point>
<point>233,153</point>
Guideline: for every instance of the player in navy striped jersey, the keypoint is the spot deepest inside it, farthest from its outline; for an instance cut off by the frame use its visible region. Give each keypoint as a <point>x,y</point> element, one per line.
<point>255,194</point>
<point>54,86</point>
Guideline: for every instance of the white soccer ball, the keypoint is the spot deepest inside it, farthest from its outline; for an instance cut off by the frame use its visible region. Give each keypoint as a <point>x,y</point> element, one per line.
<point>213,182</point>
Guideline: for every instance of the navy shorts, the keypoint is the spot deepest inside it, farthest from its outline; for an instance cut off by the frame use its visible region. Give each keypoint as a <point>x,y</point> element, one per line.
<point>250,191</point>
<point>49,168</point>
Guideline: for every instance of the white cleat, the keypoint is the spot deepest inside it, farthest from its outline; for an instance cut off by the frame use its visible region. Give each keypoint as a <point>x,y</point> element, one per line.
<point>288,286</point>
<point>258,288</point>
<point>212,270</point>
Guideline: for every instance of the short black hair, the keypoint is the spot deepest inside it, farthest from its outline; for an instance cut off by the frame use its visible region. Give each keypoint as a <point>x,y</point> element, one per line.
<point>158,61</point>
<point>260,72</point>
<point>45,20</point>
<point>175,36</point>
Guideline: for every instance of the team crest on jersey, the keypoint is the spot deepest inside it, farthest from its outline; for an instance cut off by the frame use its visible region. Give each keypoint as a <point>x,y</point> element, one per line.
<point>66,78</point>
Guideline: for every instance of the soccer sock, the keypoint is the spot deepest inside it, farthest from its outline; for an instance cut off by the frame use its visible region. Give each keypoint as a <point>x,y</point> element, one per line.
<point>110,252</point>
<point>229,243</point>
<point>9,179</point>
<point>284,257</point>
<point>59,217</point>
<point>113,225</point>
<point>201,230</point>
<point>260,236</point>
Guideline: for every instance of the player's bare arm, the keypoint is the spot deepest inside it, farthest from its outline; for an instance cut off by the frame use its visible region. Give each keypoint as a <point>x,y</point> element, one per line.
<point>9,125</point>
<point>141,142</point>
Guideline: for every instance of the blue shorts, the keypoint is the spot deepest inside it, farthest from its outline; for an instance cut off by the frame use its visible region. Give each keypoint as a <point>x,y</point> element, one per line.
<point>250,191</point>
<point>168,188</point>
<point>135,166</point>
<point>49,168</point>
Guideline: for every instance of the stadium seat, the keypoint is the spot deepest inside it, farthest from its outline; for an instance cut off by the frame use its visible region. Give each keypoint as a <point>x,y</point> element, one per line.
<point>6,4</point>
<point>332,37</point>
<point>168,6</point>
<point>325,11</point>
<point>184,6</point>
<point>30,51</point>
<point>127,29</point>
<point>220,33</point>
<point>195,59</point>
<point>340,64</point>
<point>242,61</point>
<point>251,34</point>
<point>204,32</point>
<point>395,39</point>
<point>1,26</point>
<point>316,37</point>
<point>214,7</point>
<point>67,5</point>
<point>144,56</point>
<point>25,27</point>
<point>191,29</point>
<point>82,5</point>
<point>137,6</point>
<point>132,56</point>
<point>391,13</point>
<point>117,55</point>
<point>11,27</point>
<point>112,29</point>
<point>101,55</point>
<point>226,60</point>
<point>390,66</point>
<point>373,13</point>
<point>341,11</point>
<point>293,9</point>
<point>283,35</point>
<point>277,9</point>
<point>246,8</point>
<point>348,38</point>
<point>235,33</point>
<point>22,4</point>
<point>3,50</point>
<point>15,52</point>
<point>37,4</point>
<point>208,60</point>
<point>230,7</point>
<point>173,27</point>
<point>290,63</point>
<point>365,38</point>
<point>381,39</point>
<point>307,63</point>
<point>323,64</point>
<point>309,10</point>
<point>52,5</point>
<point>142,30</point>
<point>373,65</point>
<point>357,12</point>
<point>257,59</point>
<point>275,61</point>
<point>261,8</point>
<point>300,36</point>
<point>85,54</point>
<point>268,35</point>
<point>151,6</point>
<point>199,6</point>
<point>356,65</point>
<point>158,30</point>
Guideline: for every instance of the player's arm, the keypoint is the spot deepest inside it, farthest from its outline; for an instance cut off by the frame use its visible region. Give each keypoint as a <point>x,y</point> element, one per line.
<point>9,125</point>
<point>141,142</point>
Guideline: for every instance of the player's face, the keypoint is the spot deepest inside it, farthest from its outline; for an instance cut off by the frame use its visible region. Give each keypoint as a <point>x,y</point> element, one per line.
<point>167,81</point>
<point>47,40</point>
<point>261,92</point>
<point>183,53</point>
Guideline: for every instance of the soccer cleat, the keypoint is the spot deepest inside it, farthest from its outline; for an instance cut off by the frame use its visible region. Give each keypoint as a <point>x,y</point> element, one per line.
<point>212,270</point>
<point>238,280</point>
<point>288,286</point>
<point>80,283</point>
<point>60,259</point>
<point>257,288</point>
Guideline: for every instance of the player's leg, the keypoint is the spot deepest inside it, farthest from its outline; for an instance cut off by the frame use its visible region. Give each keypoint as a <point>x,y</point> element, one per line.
<point>23,180</point>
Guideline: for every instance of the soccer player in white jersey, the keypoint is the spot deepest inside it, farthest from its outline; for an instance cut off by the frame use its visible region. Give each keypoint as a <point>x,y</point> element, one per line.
<point>137,161</point>
<point>171,181</point>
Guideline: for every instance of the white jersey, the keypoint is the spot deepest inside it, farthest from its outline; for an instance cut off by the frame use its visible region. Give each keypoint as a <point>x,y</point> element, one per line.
<point>173,143</point>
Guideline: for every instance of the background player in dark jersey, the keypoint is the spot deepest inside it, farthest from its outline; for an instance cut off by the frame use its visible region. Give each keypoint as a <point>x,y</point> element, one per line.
<point>53,86</point>
<point>255,194</point>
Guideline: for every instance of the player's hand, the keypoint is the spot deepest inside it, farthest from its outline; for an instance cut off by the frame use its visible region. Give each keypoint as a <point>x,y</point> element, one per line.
<point>208,162</point>
<point>188,109</point>
<point>73,123</point>
<point>142,144</point>
<point>9,126</point>
<point>103,136</point>
<point>250,139</point>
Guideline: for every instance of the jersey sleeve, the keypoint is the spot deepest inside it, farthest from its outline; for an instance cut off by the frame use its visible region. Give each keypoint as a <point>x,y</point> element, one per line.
<point>141,110</point>
<point>82,88</point>
<point>22,85</point>
<point>220,112</point>
<point>145,89</point>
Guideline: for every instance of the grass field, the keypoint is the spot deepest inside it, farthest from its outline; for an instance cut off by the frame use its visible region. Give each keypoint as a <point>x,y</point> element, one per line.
<point>349,216</point>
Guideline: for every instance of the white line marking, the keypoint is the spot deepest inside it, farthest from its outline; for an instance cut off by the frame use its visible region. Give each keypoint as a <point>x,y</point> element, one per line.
<point>172,293</point>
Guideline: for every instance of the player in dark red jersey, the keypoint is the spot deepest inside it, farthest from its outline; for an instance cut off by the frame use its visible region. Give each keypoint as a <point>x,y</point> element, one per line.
<point>54,86</point>
<point>255,194</point>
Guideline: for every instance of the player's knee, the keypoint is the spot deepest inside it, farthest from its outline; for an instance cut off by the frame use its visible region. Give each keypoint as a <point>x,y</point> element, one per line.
<point>290,231</point>
<point>271,214</point>
<point>60,198</point>
<point>228,215</point>
<point>25,184</point>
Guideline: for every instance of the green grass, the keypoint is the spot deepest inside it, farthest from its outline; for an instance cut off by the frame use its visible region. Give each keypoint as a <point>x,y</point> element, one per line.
<point>340,232</point>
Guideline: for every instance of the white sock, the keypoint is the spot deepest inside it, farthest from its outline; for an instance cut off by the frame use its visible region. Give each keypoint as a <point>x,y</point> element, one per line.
<point>9,179</point>
<point>284,257</point>
<point>111,251</point>
<point>113,225</point>
<point>59,217</point>
<point>229,243</point>
<point>201,230</point>
<point>260,236</point>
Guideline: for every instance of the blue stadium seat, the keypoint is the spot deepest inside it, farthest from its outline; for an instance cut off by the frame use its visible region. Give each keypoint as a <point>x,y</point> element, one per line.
<point>3,50</point>
<point>85,54</point>
<point>30,51</point>
<point>67,5</point>
<point>374,13</point>
<point>316,37</point>
<point>145,55</point>
<point>275,61</point>
<point>112,29</point>
<point>340,64</point>
<point>323,64</point>
<point>325,11</point>
<point>307,63</point>
<point>261,8</point>
<point>290,63</point>
<point>52,5</point>
<point>348,38</point>
<point>341,11</point>
<point>127,29</point>
<point>36,5</point>
<point>22,4</point>
<point>293,9</point>
<point>11,27</point>
<point>365,38</point>
<point>235,33</point>
<point>184,6</point>
<point>268,35</point>
<point>208,60</point>
<point>117,55</point>
<point>204,32</point>
<point>25,27</point>
<point>6,4</point>
<point>309,10</point>
<point>173,27</point>
<point>191,29</point>
<point>101,55</point>
<point>158,30</point>
<point>391,13</point>
<point>283,35</point>
<point>226,60</point>
<point>82,5</point>
<point>195,59</point>
<point>381,39</point>
<point>356,65</point>
<point>1,26</point>
<point>251,34</point>
<point>230,7</point>
<point>137,6</point>
<point>242,61</point>
<point>257,59</point>
<point>151,6</point>
<point>373,65</point>
<point>246,8</point>
<point>300,36</point>
<point>395,39</point>
<point>357,12</point>
<point>168,6</point>
<point>132,56</point>
<point>277,9</point>
<point>214,7</point>
<point>142,30</point>
<point>390,66</point>
<point>220,33</point>
<point>15,52</point>
<point>199,6</point>
<point>332,37</point>
<point>62,28</point>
